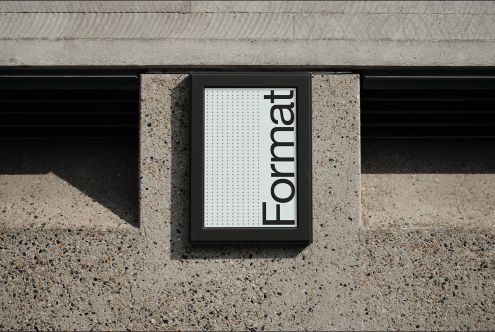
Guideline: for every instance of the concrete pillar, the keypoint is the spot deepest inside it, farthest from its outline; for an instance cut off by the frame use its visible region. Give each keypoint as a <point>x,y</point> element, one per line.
<point>253,286</point>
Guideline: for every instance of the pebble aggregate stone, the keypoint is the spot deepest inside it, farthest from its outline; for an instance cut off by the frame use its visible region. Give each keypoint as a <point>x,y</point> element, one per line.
<point>81,276</point>
<point>438,184</point>
<point>150,278</point>
<point>428,279</point>
<point>427,241</point>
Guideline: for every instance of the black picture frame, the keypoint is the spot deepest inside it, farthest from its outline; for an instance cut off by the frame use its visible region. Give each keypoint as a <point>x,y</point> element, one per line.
<point>303,233</point>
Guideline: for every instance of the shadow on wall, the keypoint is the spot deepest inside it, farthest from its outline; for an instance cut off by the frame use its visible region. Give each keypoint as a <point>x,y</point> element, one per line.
<point>104,170</point>
<point>179,209</point>
<point>428,156</point>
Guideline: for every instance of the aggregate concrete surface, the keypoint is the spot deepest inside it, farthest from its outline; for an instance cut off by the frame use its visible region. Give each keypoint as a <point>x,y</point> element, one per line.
<point>69,184</point>
<point>100,270</point>
<point>427,242</point>
<point>428,279</point>
<point>149,277</point>
<point>436,184</point>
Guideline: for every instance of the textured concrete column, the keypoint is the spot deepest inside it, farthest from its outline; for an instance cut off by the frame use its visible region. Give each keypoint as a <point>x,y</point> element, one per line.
<point>253,286</point>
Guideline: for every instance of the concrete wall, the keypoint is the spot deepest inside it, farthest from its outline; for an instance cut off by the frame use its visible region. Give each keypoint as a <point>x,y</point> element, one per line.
<point>74,255</point>
<point>94,276</point>
<point>62,184</point>
<point>349,34</point>
<point>433,184</point>
<point>427,240</point>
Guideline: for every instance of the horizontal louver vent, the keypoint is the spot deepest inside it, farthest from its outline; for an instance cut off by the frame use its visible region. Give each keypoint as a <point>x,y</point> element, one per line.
<point>70,106</point>
<point>436,106</point>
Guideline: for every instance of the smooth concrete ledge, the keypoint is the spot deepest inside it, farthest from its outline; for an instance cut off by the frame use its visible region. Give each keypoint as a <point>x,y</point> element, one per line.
<point>144,26</point>
<point>353,7</point>
<point>222,53</point>
<point>379,7</point>
<point>252,26</point>
<point>95,6</point>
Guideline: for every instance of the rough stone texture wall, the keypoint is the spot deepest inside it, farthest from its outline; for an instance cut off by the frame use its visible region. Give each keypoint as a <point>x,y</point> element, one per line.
<point>151,278</point>
<point>427,242</point>
<point>428,279</point>
<point>411,274</point>
<point>48,184</point>
<point>427,184</point>
<point>247,33</point>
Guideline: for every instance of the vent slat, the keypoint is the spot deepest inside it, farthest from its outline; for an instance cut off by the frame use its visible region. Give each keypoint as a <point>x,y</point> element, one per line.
<point>54,106</point>
<point>425,93</point>
<point>67,119</point>
<point>81,101</point>
<point>427,119</point>
<point>68,95</point>
<point>70,133</point>
<point>415,107</point>
<point>432,106</point>
<point>68,108</point>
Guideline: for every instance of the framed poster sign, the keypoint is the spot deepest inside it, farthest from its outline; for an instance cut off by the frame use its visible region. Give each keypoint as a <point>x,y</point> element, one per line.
<point>250,158</point>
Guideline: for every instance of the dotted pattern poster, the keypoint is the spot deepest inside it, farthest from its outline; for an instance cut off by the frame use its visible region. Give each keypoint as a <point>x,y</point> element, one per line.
<point>250,157</point>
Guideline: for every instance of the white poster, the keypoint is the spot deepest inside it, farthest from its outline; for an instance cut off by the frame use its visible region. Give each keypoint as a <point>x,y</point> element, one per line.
<point>250,157</point>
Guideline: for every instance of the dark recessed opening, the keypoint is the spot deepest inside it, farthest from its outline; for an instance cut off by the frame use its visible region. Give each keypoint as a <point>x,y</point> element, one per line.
<point>427,157</point>
<point>69,105</point>
<point>69,143</point>
<point>426,105</point>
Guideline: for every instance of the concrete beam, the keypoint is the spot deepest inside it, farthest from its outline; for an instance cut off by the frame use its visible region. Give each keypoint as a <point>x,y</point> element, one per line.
<point>119,26</point>
<point>95,6</point>
<point>246,39</point>
<point>351,7</point>
<point>233,26</point>
<point>222,53</point>
<point>438,27</point>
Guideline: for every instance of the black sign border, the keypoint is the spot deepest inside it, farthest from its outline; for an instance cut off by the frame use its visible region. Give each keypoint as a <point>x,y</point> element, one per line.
<point>302,234</point>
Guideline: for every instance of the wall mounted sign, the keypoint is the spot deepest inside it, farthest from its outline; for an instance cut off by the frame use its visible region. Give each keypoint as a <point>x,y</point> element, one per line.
<point>250,158</point>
